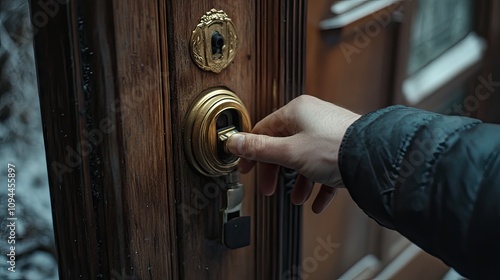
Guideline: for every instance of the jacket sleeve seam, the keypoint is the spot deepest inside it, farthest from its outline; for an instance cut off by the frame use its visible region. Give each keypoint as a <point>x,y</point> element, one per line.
<point>406,143</point>
<point>440,149</point>
<point>351,128</point>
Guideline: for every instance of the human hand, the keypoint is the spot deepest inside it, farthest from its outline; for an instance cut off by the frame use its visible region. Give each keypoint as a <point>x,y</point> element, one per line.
<point>304,135</point>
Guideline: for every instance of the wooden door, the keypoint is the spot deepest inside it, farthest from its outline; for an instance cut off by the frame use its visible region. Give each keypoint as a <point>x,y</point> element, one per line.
<point>116,81</point>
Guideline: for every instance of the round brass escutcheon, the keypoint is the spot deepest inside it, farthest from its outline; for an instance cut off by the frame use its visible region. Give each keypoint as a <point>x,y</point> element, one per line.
<point>214,110</point>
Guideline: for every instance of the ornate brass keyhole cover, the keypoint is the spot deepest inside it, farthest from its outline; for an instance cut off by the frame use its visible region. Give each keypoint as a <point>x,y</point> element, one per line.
<point>214,41</point>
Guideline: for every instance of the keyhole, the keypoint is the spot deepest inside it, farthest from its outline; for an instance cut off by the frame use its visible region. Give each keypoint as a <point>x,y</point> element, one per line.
<point>227,120</point>
<point>217,43</point>
<point>223,120</point>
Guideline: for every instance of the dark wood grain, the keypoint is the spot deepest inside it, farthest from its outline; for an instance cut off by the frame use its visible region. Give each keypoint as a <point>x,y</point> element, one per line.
<point>202,254</point>
<point>118,77</point>
<point>60,115</point>
<point>100,70</point>
<point>280,71</point>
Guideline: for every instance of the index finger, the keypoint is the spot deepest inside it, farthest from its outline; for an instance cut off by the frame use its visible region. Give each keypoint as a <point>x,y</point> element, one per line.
<point>277,123</point>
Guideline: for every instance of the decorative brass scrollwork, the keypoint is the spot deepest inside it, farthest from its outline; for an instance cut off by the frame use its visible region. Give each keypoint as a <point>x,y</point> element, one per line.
<point>214,41</point>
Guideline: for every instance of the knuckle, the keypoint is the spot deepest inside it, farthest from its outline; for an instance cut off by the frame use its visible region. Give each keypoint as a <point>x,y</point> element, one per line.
<point>297,163</point>
<point>303,99</point>
<point>290,156</point>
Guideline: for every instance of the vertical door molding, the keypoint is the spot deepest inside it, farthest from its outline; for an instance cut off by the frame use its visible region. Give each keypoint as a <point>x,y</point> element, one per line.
<point>101,89</point>
<point>280,78</point>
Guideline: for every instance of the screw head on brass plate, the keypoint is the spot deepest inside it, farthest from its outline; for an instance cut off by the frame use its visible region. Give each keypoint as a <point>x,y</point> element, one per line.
<point>201,130</point>
<point>214,41</point>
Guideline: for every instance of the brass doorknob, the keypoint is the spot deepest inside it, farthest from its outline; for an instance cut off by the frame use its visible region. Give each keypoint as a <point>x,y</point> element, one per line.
<point>214,116</point>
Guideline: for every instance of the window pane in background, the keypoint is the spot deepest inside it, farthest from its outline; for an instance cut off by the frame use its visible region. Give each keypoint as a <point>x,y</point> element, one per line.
<point>438,25</point>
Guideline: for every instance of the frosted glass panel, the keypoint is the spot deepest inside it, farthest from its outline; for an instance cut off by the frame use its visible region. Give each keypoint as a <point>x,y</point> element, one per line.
<point>438,25</point>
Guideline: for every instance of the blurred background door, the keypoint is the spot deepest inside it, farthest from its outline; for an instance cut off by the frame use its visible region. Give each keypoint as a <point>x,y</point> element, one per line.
<point>365,55</point>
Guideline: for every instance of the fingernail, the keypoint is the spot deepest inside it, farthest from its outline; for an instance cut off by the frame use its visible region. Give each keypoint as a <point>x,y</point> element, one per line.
<point>235,144</point>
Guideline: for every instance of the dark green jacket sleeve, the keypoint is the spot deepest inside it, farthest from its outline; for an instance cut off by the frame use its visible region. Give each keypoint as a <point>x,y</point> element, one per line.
<point>433,178</point>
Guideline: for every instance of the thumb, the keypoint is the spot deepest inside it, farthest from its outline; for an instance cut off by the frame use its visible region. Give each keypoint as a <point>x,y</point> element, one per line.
<point>262,148</point>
